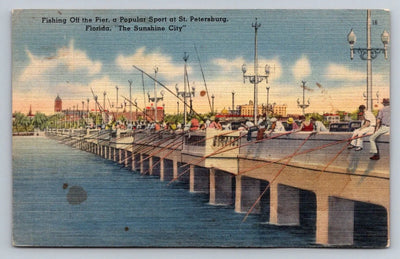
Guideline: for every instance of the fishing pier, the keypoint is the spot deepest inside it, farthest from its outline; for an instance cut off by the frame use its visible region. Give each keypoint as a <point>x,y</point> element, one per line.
<point>266,176</point>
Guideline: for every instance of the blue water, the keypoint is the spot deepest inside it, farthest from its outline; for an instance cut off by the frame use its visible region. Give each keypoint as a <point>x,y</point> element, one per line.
<point>122,207</point>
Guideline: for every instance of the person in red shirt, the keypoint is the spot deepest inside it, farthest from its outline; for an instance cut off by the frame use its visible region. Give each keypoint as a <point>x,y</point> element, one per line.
<point>307,125</point>
<point>194,124</point>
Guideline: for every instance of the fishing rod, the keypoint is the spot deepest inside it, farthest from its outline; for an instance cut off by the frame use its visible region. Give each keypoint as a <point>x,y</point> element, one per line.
<point>153,146</point>
<point>276,176</point>
<point>170,144</point>
<point>175,147</point>
<point>222,150</point>
<point>140,148</point>
<point>204,157</point>
<point>135,105</point>
<point>204,79</point>
<point>301,153</point>
<point>171,92</point>
<point>201,140</point>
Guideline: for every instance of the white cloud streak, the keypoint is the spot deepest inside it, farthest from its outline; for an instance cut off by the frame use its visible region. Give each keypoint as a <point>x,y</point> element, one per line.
<point>301,69</point>
<point>73,59</point>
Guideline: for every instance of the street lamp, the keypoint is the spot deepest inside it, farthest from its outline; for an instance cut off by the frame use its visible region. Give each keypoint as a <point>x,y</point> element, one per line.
<point>267,98</point>
<point>186,93</point>
<point>368,54</point>
<point>130,99</point>
<point>212,106</point>
<point>116,104</point>
<point>233,102</point>
<point>155,93</point>
<point>303,105</point>
<point>95,110</point>
<point>87,100</point>
<point>136,105</point>
<point>256,78</point>
<point>155,100</point>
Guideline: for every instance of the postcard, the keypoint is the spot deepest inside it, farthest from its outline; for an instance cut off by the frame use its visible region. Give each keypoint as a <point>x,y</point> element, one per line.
<point>201,128</point>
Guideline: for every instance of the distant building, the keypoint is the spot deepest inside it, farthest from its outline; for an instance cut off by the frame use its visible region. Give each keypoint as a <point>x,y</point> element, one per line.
<point>30,114</point>
<point>332,118</point>
<point>280,110</point>
<point>248,109</point>
<point>150,113</point>
<point>58,104</point>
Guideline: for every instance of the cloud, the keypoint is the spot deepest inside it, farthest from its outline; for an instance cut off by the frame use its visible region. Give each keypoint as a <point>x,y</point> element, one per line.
<point>234,67</point>
<point>147,61</point>
<point>341,72</point>
<point>301,69</point>
<point>66,57</point>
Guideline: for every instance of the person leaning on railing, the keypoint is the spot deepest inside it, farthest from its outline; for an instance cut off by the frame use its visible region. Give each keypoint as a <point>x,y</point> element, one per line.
<point>382,127</point>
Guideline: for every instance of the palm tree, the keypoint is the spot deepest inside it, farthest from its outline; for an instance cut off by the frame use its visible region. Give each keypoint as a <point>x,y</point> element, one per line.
<point>40,120</point>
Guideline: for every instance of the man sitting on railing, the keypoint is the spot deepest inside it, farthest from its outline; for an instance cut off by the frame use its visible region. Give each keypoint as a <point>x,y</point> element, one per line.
<point>367,127</point>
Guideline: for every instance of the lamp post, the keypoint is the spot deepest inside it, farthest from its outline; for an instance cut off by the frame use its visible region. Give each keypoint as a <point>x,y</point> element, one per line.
<point>155,93</point>
<point>116,104</point>
<point>136,105</point>
<point>368,54</point>
<point>155,100</point>
<point>233,102</point>
<point>303,105</point>
<point>186,93</point>
<point>73,116</point>
<point>95,111</point>
<point>130,99</point>
<point>83,110</point>
<point>256,78</point>
<point>212,104</point>
<point>87,100</point>
<point>267,98</point>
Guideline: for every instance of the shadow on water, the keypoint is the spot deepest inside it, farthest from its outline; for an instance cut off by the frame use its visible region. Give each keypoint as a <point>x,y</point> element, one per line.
<point>370,225</point>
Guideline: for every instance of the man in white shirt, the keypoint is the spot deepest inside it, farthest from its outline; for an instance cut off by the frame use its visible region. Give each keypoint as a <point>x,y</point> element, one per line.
<point>367,127</point>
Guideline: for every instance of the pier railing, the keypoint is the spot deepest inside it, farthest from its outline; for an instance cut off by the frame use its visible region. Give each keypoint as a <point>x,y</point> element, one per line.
<point>321,150</point>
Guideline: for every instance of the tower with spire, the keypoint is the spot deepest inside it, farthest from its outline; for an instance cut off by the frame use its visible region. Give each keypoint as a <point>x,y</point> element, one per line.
<point>58,104</point>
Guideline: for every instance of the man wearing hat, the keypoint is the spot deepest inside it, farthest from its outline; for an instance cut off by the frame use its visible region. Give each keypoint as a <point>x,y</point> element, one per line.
<point>291,125</point>
<point>382,127</point>
<point>367,127</point>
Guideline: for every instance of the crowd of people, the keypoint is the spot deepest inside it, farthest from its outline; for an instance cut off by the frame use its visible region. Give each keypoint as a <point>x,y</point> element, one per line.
<point>370,126</point>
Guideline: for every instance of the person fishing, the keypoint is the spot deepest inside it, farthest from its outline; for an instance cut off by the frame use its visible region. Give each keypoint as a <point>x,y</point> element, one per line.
<point>367,127</point>
<point>382,127</point>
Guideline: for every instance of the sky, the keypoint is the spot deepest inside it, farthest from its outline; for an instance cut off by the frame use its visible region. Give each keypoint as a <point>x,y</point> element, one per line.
<point>298,45</point>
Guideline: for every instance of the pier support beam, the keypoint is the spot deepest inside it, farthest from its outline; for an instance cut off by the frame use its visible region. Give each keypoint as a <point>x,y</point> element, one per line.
<point>109,153</point>
<point>141,163</point>
<point>335,221</point>
<point>174,168</point>
<point>133,161</point>
<point>115,155</point>
<point>119,156</point>
<point>199,179</point>
<point>284,205</point>
<point>247,191</point>
<point>156,166</point>
<point>126,158</point>
<point>150,165</point>
<point>162,172</point>
<point>220,188</point>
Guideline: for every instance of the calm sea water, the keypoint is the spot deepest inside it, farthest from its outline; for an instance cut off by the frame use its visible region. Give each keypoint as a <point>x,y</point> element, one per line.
<point>122,207</point>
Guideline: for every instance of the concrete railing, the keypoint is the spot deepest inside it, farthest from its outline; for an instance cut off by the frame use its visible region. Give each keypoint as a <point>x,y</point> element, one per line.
<point>320,150</point>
